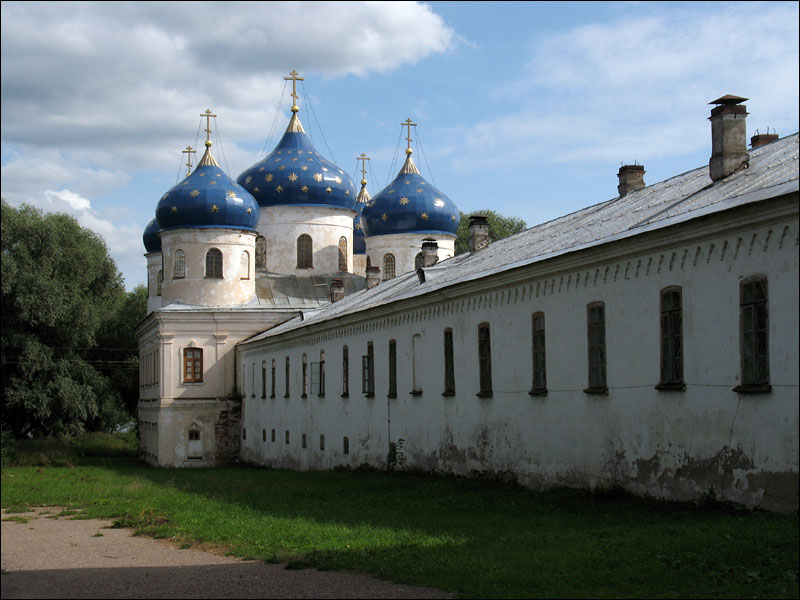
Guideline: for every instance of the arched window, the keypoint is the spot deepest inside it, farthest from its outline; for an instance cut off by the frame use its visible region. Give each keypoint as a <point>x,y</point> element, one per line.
<point>369,262</point>
<point>343,253</point>
<point>160,279</point>
<point>214,264</point>
<point>388,266</point>
<point>244,269</point>
<point>180,265</point>
<point>418,261</point>
<point>261,252</point>
<point>304,252</point>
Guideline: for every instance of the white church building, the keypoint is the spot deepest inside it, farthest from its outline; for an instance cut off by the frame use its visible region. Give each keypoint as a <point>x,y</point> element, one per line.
<point>649,341</point>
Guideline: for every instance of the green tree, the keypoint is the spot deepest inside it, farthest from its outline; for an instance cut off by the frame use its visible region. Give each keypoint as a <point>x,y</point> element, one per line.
<point>499,227</point>
<point>59,288</point>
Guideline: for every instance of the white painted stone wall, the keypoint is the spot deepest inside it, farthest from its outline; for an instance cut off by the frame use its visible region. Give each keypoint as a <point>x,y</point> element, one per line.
<point>153,267</point>
<point>360,265</point>
<point>672,444</point>
<point>235,288</point>
<point>169,406</point>
<point>282,225</point>
<point>405,247</point>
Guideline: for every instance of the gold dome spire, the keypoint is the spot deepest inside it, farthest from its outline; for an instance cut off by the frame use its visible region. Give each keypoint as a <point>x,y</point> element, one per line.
<point>208,159</point>
<point>409,167</point>
<point>363,195</point>
<point>294,124</point>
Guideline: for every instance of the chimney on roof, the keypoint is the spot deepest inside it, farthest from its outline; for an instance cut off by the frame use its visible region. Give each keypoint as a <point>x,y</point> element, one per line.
<point>430,252</point>
<point>631,178</point>
<point>478,233</point>
<point>373,276</point>
<point>728,137</point>
<point>760,139</point>
<point>337,290</point>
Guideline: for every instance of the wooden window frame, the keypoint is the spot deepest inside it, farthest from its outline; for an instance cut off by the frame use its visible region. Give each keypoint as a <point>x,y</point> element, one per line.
<point>179,265</point>
<point>192,365</point>
<point>596,343</point>
<point>670,339</point>
<point>304,374</point>
<point>305,251</point>
<point>368,372</point>
<point>449,364</point>
<point>392,369</point>
<point>288,377</point>
<point>263,379</point>
<point>345,372</point>
<point>389,259</point>
<point>272,382</point>
<point>538,355</point>
<point>754,336</point>
<point>485,361</point>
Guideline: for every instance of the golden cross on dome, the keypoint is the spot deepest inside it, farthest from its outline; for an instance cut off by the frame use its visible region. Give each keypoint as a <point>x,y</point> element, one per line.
<point>208,116</point>
<point>188,152</point>
<point>363,158</point>
<point>408,124</point>
<point>293,76</point>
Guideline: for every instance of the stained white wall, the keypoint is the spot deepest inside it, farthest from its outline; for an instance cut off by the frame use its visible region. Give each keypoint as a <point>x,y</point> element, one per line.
<point>676,444</point>
<point>405,247</point>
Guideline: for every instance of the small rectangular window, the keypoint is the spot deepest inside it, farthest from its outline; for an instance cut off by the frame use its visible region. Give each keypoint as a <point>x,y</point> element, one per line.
<point>303,440</point>
<point>304,375</point>
<point>315,378</point>
<point>272,382</point>
<point>753,335</point>
<point>539,384</point>
<point>596,327</point>
<point>273,435</point>
<point>345,372</point>
<point>368,372</point>
<point>346,446</point>
<point>263,379</point>
<point>449,364</point>
<point>287,436</point>
<point>263,435</point>
<point>322,442</point>
<point>671,339</point>
<point>392,369</point>
<point>484,360</point>
<point>286,395</point>
<point>193,365</point>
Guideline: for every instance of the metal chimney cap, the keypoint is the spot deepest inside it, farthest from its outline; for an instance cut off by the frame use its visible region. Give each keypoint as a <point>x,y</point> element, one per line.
<point>729,99</point>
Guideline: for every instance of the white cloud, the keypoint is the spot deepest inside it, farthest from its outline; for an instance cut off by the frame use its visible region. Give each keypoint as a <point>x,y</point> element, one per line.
<point>637,88</point>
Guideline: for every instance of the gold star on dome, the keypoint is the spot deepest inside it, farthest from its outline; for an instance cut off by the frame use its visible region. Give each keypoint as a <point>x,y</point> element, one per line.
<point>174,209</point>
<point>288,152</point>
<point>347,192</point>
<point>202,174</point>
<point>403,200</point>
<point>230,194</point>
<point>212,182</point>
<point>261,170</point>
<point>185,183</point>
<point>281,168</point>
<point>424,216</point>
<point>249,210</point>
<point>391,192</point>
<point>214,208</point>
<point>249,179</point>
<point>384,217</point>
<point>293,177</point>
<point>438,202</point>
<point>406,182</point>
<point>324,169</point>
<point>255,189</point>
<point>328,189</point>
<point>317,177</point>
<point>279,189</point>
<point>419,190</point>
<point>452,217</point>
<point>280,151</point>
<point>304,188</point>
<point>294,160</point>
<point>278,159</point>
<point>304,167</point>
<point>194,193</point>
<point>268,178</point>
<point>338,179</point>
<point>299,151</point>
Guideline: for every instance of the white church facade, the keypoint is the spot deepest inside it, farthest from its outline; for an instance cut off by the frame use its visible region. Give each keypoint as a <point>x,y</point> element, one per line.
<point>649,341</point>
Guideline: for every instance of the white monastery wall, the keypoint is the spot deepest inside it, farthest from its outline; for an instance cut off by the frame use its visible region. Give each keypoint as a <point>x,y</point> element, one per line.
<point>405,247</point>
<point>282,225</point>
<point>237,286</point>
<point>677,444</point>
<point>153,268</point>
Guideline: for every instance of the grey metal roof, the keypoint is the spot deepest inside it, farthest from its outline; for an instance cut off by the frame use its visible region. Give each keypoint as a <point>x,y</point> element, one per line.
<point>773,171</point>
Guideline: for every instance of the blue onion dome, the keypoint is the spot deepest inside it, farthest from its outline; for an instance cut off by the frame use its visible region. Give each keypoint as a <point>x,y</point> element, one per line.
<point>152,243</point>
<point>359,245</point>
<point>207,198</point>
<point>296,174</point>
<point>409,205</point>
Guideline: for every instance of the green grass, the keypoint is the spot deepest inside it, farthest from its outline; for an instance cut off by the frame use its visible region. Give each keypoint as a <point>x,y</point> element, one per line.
<point>468,536</point>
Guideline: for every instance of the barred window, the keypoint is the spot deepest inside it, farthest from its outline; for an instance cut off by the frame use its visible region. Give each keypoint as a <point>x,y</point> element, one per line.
<point>484,360</point>
<point>671,339</point>
<point>192,365</point>
<point>304,252</point>
<point>392,369</point>
<point>343,253</point>
<point>261,252</point>
<point>286,395</point>
<point>263,379</point>
<point>539,384</point>
<point>388,266</point>
<point>345,372</point>
<point>368,372</point>
<point>214,264</point>
<point>754,335</point>
<point>596,326</point>
<point>304,374</point>
<point>272,382</point>
<point>449,364</point>
<point>244,267</point>
<point>179,271</point>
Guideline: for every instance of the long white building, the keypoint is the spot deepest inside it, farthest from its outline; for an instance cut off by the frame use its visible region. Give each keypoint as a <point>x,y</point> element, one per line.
<point>649,341</point>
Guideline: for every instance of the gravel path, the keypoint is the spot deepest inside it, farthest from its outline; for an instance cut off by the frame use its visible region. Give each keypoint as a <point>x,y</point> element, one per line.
<point>49,557</point>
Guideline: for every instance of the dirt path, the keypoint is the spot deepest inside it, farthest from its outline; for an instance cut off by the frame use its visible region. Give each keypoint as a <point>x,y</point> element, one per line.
<point>44,556</point>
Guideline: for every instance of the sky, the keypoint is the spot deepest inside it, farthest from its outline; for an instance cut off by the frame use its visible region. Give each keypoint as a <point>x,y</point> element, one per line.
<point>525,108</point>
